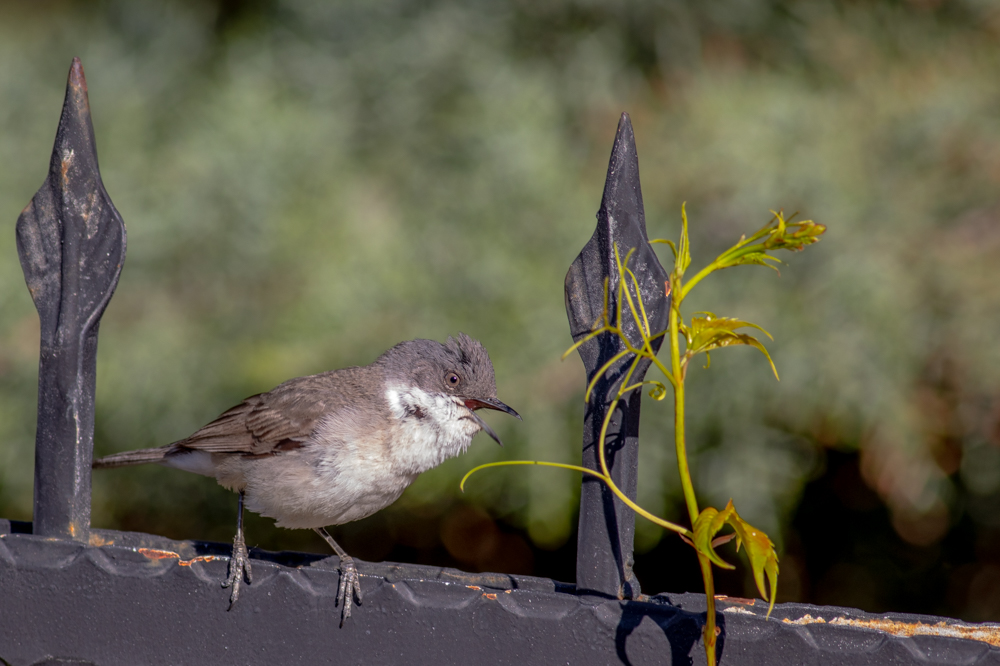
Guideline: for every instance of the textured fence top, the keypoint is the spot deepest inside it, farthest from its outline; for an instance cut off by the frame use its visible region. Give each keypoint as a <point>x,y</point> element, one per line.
<point>130,598</point>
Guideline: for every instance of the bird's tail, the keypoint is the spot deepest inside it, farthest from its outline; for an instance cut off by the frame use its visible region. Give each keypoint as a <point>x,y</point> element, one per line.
<point>131,458</point>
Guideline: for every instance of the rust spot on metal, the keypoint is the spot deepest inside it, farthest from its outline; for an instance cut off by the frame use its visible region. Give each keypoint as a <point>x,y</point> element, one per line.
<point>805,619</point>
<point>474,587</point>
<point>154,554</point>
<point>986,633</point>
<point>738,609</point>
<point>76,78</point>
<point>734,600</point>
<point>97,540</point>
<point>200,558</point>
<point>506,591</point>
<point>64,164</point>
<point>490,596</point>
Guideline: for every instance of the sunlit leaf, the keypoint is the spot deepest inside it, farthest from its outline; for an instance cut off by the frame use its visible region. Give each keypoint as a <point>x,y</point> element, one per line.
<point>751,341</point>
<point>709,332</point>
<point>684,248</point>
<point>795,236</point>
<point>759,259</point>
<point>778,234</point>
<point>781,222</point>
<point>710,320</point>
<point>760,551</point>
<point>724,539</point>
<point>708,524</point>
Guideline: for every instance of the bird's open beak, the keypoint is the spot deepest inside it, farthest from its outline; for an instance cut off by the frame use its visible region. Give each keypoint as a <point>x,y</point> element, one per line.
<point>491,403</point>
<point>488,403</point>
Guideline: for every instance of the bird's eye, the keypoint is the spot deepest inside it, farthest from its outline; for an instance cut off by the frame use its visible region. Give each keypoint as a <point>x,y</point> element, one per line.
<point>453,379</point>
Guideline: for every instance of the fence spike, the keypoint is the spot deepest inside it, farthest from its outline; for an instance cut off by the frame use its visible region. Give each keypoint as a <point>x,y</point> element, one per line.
<point>71,242</point>
<point>607,526</point>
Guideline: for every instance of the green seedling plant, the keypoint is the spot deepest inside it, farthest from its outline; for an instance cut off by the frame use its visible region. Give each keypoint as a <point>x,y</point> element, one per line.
<point>703,334</point>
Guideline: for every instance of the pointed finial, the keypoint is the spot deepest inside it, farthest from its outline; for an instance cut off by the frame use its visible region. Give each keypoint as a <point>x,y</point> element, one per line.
<point>604,551</point>
<point>71,242</point>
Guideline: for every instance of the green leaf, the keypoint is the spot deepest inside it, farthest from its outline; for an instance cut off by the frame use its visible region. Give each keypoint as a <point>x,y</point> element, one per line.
<point>708,524</point>
<point>759,259</point>
<point>709,320</point>
<point>793,236</point>
<point>709,332</point>
<point>760,551</point>
<point>751,341</point>
<point>684,248</point>
<point>781,222</point>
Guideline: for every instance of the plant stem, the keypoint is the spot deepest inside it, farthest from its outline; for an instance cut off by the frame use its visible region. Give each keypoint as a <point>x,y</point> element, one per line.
<point>721,261</point>
<point>679,440</point>
<point>683,531</point>
<point>709,635</point>
<point>680,443</point>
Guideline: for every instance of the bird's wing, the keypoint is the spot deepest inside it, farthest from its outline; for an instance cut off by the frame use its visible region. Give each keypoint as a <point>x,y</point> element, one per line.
<point>281,419</point>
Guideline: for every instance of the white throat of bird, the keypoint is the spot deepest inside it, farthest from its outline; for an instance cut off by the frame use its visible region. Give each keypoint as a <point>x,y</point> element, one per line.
<point>431,427</point>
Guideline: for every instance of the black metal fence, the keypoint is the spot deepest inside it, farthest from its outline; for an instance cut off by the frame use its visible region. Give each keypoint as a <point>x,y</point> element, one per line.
<point>75,595</point>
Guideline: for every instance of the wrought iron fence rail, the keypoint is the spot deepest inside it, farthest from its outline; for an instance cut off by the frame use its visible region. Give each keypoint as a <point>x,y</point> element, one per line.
<point>129,598</point>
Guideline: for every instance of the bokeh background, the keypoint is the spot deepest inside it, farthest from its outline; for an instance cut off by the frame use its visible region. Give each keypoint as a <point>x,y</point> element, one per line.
<point>307,183</point>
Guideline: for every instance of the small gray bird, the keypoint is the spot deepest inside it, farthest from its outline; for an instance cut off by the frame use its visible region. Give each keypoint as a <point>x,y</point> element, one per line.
<point>338,446</point>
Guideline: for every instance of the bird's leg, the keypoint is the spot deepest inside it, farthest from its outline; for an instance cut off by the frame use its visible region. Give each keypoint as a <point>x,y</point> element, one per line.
<point>350,581</point>
<point>239,562</point>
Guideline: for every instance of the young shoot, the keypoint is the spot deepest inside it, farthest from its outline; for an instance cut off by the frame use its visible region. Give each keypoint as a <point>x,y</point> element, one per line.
<point>704,333</point>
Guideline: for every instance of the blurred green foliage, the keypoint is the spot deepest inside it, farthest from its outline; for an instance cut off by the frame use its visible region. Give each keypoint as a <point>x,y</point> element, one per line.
<point>307,183</point>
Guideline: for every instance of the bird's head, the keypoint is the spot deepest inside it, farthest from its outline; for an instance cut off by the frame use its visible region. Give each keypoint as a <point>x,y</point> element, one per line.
<point>460,369</point>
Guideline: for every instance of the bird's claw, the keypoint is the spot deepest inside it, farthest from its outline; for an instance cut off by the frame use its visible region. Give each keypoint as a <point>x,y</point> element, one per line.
<point>239,568</point>
<point>350,587</point>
